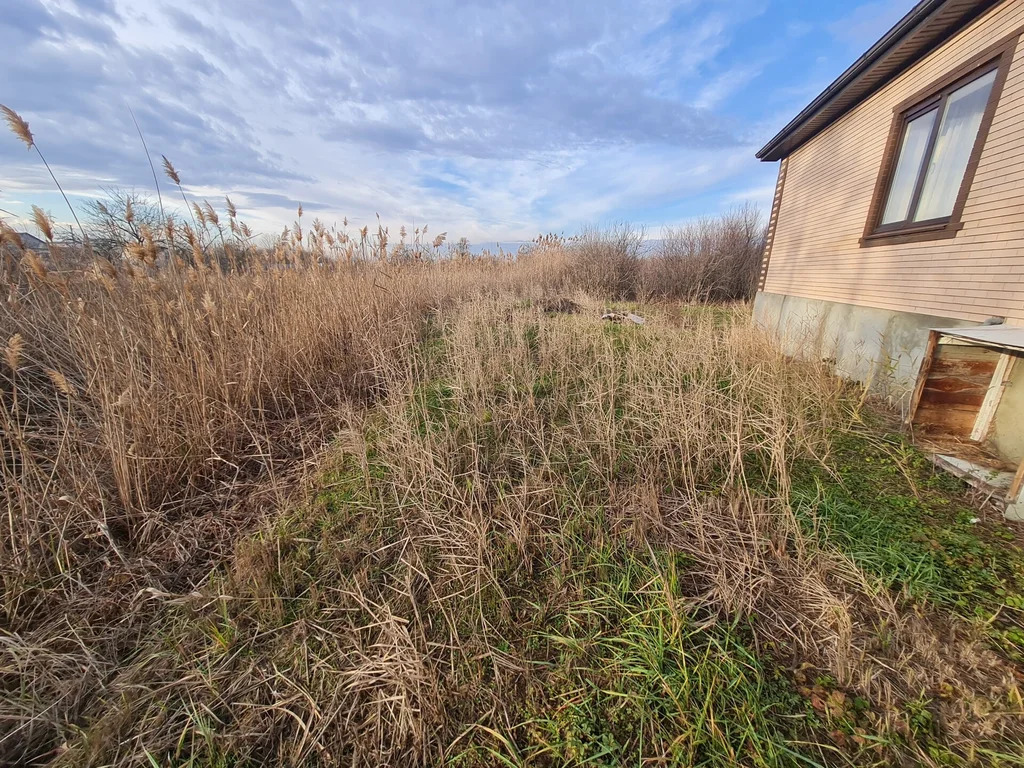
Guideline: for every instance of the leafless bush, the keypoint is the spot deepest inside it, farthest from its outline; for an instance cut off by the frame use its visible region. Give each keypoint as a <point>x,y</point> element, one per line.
<point>605,262</point>
<point>711,259</point>
<point>124,218</point>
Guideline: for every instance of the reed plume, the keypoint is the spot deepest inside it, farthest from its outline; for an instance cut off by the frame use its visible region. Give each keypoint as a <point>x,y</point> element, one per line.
<point>211,214</point>
<point>35,265</point>
<point>172,173</point>
<point>12,352</point>
<point>42,222</point>
<point>60,382</point>
<point>19,127</point>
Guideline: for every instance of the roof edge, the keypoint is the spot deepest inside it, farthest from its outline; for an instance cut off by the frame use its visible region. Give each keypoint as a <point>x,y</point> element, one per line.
<point>919,15</point>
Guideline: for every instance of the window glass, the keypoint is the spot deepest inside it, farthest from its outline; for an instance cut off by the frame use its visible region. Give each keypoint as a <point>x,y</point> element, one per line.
<point>908,167</point>
<point>957,134</point>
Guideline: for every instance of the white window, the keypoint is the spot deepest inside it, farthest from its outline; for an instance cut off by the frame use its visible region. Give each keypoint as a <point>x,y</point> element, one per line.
<point>937,139</point>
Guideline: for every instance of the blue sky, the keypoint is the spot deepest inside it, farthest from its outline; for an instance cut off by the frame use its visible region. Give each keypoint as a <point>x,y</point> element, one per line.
<point>497,121</point>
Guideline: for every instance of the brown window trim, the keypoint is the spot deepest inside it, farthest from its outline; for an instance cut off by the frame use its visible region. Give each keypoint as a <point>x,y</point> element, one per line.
<point>999,57</point>
<point>773,223</point>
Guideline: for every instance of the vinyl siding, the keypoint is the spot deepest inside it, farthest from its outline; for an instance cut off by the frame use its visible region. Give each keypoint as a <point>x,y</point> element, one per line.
<point>829,183</point>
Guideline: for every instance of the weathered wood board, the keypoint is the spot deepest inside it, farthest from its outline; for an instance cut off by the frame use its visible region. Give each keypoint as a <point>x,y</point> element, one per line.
<point>955,388</point>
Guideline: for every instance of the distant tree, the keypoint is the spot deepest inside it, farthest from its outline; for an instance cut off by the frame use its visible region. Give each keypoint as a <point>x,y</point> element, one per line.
<point>120,220</point>
<point>461,250</point>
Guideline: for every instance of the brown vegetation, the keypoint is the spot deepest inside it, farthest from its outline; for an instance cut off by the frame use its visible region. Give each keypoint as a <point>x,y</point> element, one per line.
<point>335,501</point>
<point>147,418</point>
<point>154,420</point>
<point>711,259</point>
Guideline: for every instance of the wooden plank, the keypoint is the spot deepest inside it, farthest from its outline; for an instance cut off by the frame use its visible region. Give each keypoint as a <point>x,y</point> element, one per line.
<point>962,349</point>
<point>974,363</point>
<point>957,384</point>
<point>978,374</point>
<point>955,388</point>
<point>971,400</point>
<point>971,365</point>
<point>1017,486</point>
<point>922,375</point>
<point>953,392</point>
<point>951,421</point>
<point>987,412</point>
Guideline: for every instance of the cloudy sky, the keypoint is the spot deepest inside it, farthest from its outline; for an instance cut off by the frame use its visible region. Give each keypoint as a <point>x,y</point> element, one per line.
<point>493,120</point>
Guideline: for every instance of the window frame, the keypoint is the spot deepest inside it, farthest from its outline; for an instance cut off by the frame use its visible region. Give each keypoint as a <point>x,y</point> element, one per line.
<point>996,58</point>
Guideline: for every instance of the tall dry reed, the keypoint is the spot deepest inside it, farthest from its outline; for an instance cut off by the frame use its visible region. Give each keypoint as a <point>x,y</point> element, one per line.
<point>148,415</point>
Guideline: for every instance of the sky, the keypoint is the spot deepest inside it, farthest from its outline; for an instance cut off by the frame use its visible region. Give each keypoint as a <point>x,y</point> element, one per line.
<point>497,121</point>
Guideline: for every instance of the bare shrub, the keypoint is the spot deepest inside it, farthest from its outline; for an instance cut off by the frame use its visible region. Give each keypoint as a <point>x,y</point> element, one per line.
<point>711,259</point>
<point>606,262</point>
<point>121,219</point>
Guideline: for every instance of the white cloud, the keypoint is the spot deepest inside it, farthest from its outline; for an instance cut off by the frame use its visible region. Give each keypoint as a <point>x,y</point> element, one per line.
<point>493,120</point>
<point>723,85</point>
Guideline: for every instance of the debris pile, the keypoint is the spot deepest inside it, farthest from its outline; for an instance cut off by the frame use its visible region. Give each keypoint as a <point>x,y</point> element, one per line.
<point>623,317</point>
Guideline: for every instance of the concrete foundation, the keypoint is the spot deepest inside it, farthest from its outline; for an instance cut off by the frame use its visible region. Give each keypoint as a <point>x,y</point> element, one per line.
<point>883,349</point>
<point>880,348</point>
<point>1008,427</point>
<point>1015,512</point>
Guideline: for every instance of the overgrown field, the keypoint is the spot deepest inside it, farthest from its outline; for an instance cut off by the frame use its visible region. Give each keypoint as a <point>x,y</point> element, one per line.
<point>442,514</point>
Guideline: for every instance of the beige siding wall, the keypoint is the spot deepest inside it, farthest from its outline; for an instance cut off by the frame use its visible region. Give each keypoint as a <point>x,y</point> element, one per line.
<point>816,252</point>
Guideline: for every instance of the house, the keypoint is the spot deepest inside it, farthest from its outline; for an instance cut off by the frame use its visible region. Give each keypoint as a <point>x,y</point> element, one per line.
<point>896,238</point>
<point>32,243</point>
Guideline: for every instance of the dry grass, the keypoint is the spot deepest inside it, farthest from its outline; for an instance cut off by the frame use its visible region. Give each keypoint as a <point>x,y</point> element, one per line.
<point>149,416</point>
<point>335,501</point>
<point>401,515</point>
<point>710,259</point>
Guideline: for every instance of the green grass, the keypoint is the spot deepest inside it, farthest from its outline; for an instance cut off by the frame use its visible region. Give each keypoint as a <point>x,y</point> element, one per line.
<point>618,670</point>
<point>910,525</point>
<point>629,674</point>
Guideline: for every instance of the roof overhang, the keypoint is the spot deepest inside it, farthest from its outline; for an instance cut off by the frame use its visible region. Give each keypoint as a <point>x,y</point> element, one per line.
<point>1008,337</point>
<point>929,24</point>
